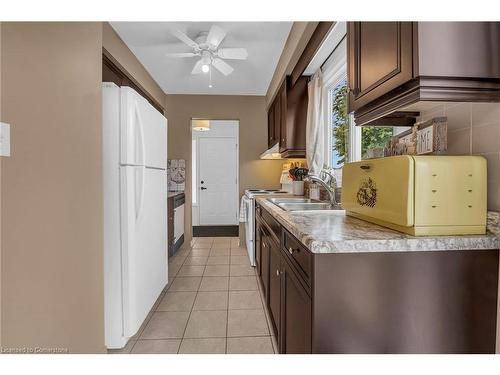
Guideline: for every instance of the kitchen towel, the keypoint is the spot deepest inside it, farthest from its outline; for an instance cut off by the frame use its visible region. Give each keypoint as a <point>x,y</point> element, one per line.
<point>315,131</point>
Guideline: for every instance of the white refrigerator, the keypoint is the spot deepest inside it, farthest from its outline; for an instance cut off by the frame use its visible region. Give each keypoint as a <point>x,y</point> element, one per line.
<point>135,210</point>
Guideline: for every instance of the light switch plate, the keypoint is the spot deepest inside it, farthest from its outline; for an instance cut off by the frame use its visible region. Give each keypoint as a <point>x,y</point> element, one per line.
<point>4,139</point>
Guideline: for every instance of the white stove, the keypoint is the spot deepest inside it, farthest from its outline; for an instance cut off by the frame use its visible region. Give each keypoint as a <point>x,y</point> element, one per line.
<point>249,201</point>
<point>251,193</point>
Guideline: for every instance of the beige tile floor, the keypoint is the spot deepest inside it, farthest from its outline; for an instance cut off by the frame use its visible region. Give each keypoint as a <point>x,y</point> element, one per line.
<point>212,304</point>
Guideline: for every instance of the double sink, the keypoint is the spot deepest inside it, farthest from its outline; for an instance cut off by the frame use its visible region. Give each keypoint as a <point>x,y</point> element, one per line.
<point>302,204</point>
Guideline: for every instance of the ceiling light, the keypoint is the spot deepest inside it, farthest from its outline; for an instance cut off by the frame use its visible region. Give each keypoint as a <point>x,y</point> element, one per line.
<point>200,125</point>
<point>205,68</point>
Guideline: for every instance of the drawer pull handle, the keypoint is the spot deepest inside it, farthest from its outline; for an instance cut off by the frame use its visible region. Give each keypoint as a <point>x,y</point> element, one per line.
<point>264,245</point>
<point>434,191</point>
<point>434,206</point>
<point>365,167</point>
<point>291,251</point>
<point>470,206</point>
<point>278,273</point>
<point>470,191</point>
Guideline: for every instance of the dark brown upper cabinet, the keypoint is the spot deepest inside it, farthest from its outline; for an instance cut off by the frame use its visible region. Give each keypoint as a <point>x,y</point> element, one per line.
<point>271,141</point>
<point>112,71</point>
<point>273,124</point>
<point>287,117</point>
<point>381,59</point>
<point>392,65</point>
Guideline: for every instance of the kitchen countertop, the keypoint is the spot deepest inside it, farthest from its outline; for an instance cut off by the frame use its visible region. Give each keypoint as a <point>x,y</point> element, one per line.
<point>174,193</point>
<point>335,232</point>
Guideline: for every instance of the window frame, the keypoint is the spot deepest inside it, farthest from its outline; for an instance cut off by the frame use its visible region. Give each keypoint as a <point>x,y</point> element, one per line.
<point>334,71</point>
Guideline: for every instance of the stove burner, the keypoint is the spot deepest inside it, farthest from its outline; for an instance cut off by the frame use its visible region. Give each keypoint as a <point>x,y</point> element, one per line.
<point>252,192</point>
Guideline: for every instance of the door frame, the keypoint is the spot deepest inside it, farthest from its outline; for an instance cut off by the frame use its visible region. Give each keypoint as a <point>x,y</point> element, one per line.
<point>214,230</point>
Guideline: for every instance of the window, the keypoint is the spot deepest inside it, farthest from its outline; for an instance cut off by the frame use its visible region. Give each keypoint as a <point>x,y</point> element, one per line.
<point>339,125</point>
<point>344,141</point>
<point>348,142</point>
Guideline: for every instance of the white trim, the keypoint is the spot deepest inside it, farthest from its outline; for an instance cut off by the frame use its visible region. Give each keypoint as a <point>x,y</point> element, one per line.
<point>354,146</point>
<point>334,71</point>
<point>331,42</point>
<point>194,171</point>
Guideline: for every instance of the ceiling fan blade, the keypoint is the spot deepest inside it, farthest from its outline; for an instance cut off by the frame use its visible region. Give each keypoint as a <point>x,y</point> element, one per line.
<point>181,54</point>
<point>184,38</point>
<point>197,67</point>
<point>222,66</point>
<point>215,36</point>
<point>233,53</point>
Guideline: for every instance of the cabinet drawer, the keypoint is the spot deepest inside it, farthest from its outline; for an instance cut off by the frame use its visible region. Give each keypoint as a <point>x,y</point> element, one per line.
<point>300,257</point>
<point>273,225</point>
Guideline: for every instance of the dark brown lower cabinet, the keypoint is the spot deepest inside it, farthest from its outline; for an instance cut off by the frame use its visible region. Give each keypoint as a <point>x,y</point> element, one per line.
<point>264,258</point>
<point>431,302</point>
<point>258,249</point>
<point>275,285</point>
<point>170,225</point>
<point>295,313</point>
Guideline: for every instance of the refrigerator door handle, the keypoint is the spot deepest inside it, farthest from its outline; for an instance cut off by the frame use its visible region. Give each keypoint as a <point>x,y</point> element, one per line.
<point>142,153</point>
<point>139,191</point>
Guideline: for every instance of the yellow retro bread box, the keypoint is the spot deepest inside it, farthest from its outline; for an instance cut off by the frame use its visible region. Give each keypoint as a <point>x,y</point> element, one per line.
<point>418,195</point>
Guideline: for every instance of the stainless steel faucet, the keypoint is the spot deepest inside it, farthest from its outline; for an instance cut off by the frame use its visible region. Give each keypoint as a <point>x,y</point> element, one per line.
<point>330,187</point>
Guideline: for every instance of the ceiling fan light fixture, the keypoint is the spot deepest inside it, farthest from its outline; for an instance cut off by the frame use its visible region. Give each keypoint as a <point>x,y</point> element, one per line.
<point>205,68</point>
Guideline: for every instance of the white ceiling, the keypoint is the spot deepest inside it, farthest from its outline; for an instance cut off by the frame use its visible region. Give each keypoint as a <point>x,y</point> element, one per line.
<point>151,41</point>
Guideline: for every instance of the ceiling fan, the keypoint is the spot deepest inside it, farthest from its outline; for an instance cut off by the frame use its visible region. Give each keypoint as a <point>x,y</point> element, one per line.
<point>206,47</point>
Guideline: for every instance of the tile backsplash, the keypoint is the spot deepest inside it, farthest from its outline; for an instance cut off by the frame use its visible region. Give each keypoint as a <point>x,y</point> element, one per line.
<point>474,128</point>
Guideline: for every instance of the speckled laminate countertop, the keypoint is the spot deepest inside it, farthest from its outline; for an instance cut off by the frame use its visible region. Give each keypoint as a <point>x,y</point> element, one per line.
<point>174,193</point>
<point>335,232</point>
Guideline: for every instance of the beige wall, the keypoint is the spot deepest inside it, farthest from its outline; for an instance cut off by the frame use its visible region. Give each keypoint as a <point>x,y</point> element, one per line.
<point>51,193</point>
<point>250,111</point>
<point>296,42</point>
<point>119,50</point>
<point>474,128</point>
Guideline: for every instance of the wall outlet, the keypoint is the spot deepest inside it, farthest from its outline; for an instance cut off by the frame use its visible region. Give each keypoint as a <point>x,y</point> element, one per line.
<point>4,139</point>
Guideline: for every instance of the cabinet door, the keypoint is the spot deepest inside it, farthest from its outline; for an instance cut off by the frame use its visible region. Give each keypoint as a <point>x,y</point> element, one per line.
<point>264,265</point>
<point>275,286</point>
<point>380,59</point>
<point>283,117</point>
<point>258,247</point>
<point>270,126</point>
<point>277,120</point>
<point>295,314</point>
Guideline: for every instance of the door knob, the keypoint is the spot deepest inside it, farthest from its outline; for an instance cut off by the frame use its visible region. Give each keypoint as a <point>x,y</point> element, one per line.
<point>203,188</point>
<point>202,182</point>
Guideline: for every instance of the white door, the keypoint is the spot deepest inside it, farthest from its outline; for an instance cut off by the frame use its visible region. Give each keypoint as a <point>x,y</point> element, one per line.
<point>144,242</point>
<point>218,180</point>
